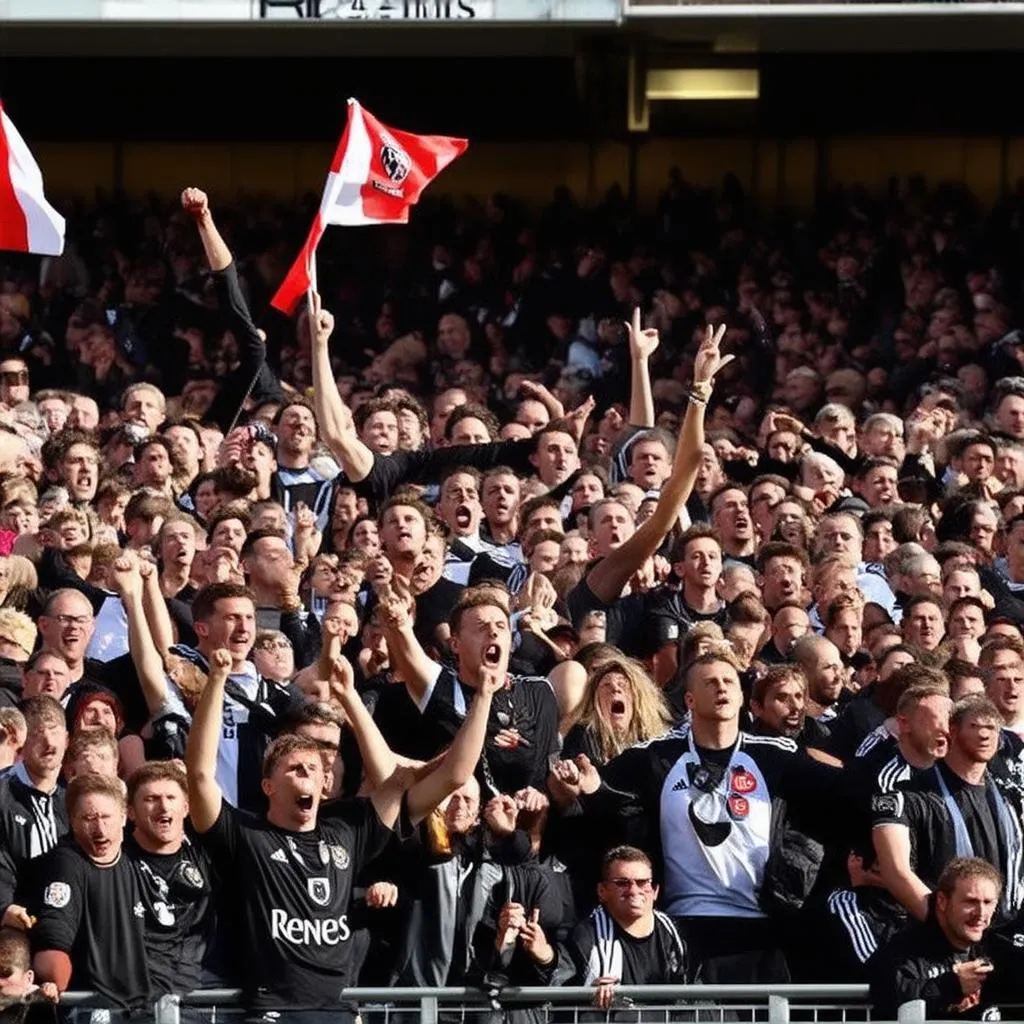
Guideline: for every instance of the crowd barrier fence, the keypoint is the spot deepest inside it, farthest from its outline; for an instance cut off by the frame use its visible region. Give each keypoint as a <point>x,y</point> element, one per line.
<point>634,1004</point>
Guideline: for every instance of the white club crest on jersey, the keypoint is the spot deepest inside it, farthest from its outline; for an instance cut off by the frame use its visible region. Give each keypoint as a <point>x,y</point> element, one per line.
<point>57,894</point>
<point>280,856</point>
<point>319,891</point>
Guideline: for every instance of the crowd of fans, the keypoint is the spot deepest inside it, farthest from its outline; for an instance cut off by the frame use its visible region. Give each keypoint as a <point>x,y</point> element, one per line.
<point>583,599</point>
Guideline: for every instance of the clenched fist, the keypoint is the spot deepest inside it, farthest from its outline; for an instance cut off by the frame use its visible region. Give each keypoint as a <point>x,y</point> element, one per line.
<point>195,201</point>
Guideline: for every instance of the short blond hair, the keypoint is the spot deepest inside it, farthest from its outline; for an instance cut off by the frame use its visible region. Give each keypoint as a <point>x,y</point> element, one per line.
<point>18,628</point>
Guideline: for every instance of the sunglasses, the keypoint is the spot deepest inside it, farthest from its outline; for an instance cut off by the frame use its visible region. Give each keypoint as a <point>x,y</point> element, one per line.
<point>625,884</point>
<point>13,377</point>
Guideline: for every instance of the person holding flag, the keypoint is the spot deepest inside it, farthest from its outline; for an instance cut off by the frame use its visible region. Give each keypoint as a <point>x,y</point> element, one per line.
<point>377,174</point>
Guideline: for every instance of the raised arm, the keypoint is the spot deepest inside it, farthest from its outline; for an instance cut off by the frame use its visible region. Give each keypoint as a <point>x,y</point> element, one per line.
<point>642,344</point>
<point>608,578</point>
<point>892,848</point>
<point>251,375</point>
<point>158,618</point>
<point>459,763</point>
<point>204,795</point>
<point>128,584</point>
<point>410,662</point>
<point>218,255</point>
<point>379,761</point>
<point>333,417</point>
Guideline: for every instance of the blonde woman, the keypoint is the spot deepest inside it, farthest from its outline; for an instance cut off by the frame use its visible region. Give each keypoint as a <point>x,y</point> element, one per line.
<point>623,707</point>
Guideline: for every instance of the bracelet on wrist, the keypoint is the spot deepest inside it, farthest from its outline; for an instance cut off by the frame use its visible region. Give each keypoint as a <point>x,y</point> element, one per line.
<point>696,399</point>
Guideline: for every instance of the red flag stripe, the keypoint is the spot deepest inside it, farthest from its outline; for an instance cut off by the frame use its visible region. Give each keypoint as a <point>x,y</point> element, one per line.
<point>13,223</point>
<point>296,284</point>
<point>377,173</point>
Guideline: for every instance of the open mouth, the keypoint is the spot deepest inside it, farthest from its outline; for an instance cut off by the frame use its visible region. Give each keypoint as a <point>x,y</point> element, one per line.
<point>492,654</point>
<point>304,802</point>
<point>463,517</point>
<point>721,702</point>
<point>618,706</point>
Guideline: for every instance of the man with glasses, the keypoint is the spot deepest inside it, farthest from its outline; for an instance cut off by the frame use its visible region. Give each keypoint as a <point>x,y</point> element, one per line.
<point>625,941</point>
<point>66,626</point>
<point>274,656</point>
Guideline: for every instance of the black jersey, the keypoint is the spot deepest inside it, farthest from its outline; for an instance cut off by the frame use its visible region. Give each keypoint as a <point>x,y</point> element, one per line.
<point>31,824</point>
<point>947,817</point>
<point>96,915</point>
<point>176,892</point>
<point>526,704</point>
<point>296,886</point>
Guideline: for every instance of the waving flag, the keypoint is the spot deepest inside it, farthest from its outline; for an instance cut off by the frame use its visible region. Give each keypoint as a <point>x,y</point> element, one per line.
<point>376,175</point>
<point>28,223</point>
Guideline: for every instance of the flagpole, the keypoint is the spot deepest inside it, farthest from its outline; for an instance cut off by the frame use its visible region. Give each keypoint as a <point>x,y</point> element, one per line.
<point>313,290</point>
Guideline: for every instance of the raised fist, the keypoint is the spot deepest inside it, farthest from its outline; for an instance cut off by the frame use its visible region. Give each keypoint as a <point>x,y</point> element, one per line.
<point>195,201</point>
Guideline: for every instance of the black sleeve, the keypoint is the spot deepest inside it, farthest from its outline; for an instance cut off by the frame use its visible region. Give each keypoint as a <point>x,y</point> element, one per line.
<point>60,901</point>
<point>1007,603</point>
<point>574,957</point>
<point>120,675</point>
<point>56,574</point>
<point>390,471</point>
<point>297,633</point>
<point>900,977</point>
<point>848,463</point>
<point>546,737</point>
<point>743,472</point>
<point>8,876</point>
<point>224,837</point>
<point>387,473</point>
<point>252,373</point>
<point>913,467</point>
<point>822,793</point>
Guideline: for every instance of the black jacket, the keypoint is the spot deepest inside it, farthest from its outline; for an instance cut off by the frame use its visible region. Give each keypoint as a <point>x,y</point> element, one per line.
<point>918,964</point>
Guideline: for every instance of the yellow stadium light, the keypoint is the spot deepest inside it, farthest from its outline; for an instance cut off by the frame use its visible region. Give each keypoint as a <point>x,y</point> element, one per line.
<point>703,84</point>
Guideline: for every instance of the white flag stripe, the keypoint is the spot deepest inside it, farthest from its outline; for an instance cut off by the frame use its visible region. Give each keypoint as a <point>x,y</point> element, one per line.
<point>45,224</point>
<point>343,200</point>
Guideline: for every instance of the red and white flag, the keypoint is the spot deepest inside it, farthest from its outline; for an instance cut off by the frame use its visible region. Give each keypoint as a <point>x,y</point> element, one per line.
<point>376,175</point>
<point>28,223</point>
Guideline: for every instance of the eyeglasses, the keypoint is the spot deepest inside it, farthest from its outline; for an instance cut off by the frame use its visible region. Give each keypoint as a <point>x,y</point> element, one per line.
<point>72,620</point>
<point>12,377</point>
<point>625,884</point>
<point>275,645</point>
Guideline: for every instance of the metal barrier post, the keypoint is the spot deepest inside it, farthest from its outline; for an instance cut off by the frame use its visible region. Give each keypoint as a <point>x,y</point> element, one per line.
<point>778,1010</point>
<point>167,1010</point>
<point>428,1010</point>
<point>913,1012</point>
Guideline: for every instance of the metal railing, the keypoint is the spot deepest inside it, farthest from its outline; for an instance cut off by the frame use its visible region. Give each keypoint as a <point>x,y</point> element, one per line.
<point>645,1004</point>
